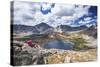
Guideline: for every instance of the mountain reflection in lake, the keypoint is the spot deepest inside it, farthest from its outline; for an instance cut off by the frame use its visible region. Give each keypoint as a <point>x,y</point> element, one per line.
<point>59,44</point>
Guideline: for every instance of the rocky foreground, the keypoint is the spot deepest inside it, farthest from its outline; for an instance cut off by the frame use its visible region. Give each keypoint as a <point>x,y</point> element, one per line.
<point>26,55</point>
<point>85,50</point>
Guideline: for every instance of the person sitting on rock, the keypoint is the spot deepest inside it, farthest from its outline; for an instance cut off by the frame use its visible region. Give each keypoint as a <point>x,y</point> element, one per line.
<point>29,42</point>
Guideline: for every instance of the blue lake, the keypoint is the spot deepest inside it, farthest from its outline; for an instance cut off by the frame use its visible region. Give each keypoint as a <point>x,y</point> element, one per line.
<point>59,44</point>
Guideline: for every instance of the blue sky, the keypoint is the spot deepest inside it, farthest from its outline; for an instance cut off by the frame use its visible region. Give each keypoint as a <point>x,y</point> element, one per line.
<point>30,13</point>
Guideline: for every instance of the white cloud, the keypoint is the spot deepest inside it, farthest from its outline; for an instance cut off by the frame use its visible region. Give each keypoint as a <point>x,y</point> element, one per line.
<point>70,10</point>
<point>87,19</point>
<point>46,6</point>
<point>62,10</point>
<point>81,11</point>
<point>62,14</point>
<point>24,12</point>
<point>69,13</point>
<point>88,25</point>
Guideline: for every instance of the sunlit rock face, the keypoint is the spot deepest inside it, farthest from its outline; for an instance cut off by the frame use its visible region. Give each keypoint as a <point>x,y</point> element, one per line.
<point>59,44</point>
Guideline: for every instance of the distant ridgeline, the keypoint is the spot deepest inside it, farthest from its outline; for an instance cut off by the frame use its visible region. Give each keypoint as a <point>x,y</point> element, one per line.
<point>44,28</point>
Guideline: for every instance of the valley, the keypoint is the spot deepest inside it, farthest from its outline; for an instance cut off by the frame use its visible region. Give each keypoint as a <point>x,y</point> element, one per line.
<point>64,47</point>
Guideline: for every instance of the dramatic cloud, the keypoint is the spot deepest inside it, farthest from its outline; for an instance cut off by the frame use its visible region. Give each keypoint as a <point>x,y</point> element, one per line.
<point>24,12</point>
<point>30,13</point>
<point>47,7</point>
<point>63,10</point>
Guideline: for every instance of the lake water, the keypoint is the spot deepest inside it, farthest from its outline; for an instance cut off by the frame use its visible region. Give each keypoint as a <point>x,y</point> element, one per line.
<point>59,44</point>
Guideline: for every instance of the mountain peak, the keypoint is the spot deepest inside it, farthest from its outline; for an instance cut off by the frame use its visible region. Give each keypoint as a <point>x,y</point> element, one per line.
<point>42,24</point>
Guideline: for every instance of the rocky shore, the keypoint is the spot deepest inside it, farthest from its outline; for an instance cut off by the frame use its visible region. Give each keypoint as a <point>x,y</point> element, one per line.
<point>84,50</point>
<point>26,55</point>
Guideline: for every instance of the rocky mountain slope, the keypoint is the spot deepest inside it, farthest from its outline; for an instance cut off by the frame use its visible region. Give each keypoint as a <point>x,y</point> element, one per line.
<point>37,29</point>
<point>66,28</point>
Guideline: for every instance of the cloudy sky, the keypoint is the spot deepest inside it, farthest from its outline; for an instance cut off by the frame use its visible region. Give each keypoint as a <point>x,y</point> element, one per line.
<point>30,13</point>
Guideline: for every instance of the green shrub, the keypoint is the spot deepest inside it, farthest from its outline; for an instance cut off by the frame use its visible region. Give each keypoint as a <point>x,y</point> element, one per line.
<point>79,43</point>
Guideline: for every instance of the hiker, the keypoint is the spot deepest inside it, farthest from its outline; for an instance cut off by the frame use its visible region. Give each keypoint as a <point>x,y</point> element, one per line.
<point>29,42</point>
